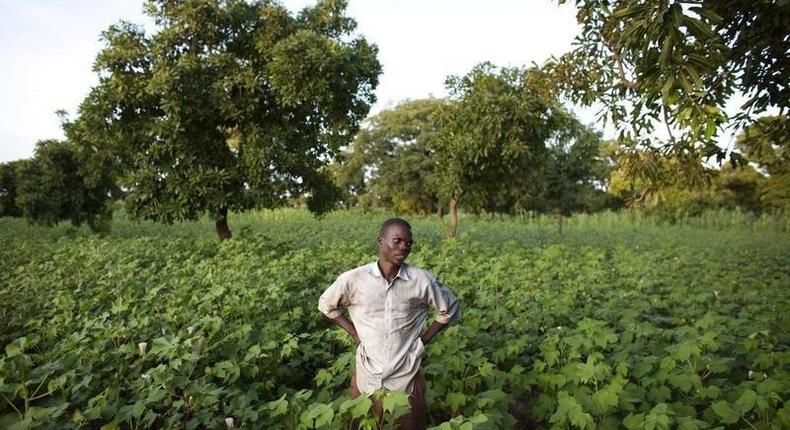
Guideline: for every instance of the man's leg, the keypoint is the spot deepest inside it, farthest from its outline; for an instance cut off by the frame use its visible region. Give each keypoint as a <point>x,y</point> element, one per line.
<point>354,389</point>
<point>378,408</point>
<point>416,419</point>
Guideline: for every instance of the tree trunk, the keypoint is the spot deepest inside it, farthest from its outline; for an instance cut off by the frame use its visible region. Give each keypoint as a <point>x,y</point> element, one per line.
<point>559,222</point>
<point>223,231</point>
<point>453,219</point>
<point>440,212</point>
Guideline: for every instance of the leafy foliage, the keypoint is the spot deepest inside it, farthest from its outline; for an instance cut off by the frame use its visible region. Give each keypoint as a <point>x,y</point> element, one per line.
<point>229,105</point>
<point>760,187</point>
<point>573,172</point>
<point>614,324</point>
<point>767,144</point>
<point>496,126</point>
<point>8,185</point>
<point>56,186</point>
<point>391,160</point>
<point>675,64</point>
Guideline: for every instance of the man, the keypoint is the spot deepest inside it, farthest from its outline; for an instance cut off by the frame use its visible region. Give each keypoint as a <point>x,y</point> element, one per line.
<point>388,302</point>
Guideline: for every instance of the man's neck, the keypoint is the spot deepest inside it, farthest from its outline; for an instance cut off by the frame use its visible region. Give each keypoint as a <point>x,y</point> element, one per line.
<point>388,270</point>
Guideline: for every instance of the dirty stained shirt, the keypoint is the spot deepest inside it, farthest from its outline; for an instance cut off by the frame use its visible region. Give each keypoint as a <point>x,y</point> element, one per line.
<point>388,317</point>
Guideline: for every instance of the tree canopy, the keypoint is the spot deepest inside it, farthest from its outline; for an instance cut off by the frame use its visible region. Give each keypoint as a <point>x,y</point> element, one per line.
<point>391,159</point>
<point>8,189</point>
<point>228,105</point>
<point>767,144</point>
<point>56,186</point>
<point>492,138</point>
<point>673,65</point>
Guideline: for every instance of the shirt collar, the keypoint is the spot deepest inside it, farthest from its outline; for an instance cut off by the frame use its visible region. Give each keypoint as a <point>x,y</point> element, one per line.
<point>403,273</point>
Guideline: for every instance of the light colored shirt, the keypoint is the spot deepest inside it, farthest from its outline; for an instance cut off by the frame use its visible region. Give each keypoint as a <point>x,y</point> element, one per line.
<point>388,317</point>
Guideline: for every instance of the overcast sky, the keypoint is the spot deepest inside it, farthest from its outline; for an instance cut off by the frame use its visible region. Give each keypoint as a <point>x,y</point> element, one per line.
<point>48,47</point>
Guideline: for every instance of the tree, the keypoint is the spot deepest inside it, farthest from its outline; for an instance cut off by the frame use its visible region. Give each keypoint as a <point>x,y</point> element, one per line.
<point>392,157</point>
<point>767,144</point>
<point>53,187</point>
<point>492,137</point>
<point>228,105</point>
<point>571,171</point>
<point>675,64</point>
<point>8,186</point>
<point>739,187</point>
<point>730,187</point>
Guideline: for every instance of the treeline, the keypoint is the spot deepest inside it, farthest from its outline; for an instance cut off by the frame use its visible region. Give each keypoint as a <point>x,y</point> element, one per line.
<point>230,106</point>
<point>397,162</point>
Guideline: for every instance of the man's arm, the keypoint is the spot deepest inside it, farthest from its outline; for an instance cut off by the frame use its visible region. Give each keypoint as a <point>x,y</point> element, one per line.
<point>346,324</point>
<point>446,305</point>
<point>330,304</point>
<point>432,331</point>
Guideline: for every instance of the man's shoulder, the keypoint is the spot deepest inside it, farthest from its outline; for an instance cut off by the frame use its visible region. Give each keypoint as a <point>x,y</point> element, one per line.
<point>418,273</point>
<point>355,272</point>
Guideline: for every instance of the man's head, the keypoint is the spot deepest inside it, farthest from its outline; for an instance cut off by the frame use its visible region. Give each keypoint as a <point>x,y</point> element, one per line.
<point>395,241</point>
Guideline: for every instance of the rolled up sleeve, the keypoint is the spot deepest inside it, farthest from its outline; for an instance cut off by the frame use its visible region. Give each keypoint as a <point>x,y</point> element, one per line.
<point>333,298</point>
<point>444,301</point>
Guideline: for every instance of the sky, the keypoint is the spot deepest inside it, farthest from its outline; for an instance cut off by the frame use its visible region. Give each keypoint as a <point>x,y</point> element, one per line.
<point>48,47</point>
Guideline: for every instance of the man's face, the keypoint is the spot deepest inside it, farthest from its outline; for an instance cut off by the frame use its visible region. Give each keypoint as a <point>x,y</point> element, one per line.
<point>395,244</point>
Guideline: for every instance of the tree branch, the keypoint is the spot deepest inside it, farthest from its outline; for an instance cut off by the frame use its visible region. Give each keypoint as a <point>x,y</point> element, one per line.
<point>624,81</point>
<point>666,123</point>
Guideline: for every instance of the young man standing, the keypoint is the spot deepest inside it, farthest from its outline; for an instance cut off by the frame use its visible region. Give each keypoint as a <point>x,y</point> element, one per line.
<point>388,302</point>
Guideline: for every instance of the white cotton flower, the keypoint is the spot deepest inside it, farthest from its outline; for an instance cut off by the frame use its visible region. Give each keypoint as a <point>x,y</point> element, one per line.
<point>751,373</point>
<point>559,327</point>
<point>190,329</point>
<point>142,346</point>
<point>146,376</point>
<point>229,422</point>
<point>163,331</point>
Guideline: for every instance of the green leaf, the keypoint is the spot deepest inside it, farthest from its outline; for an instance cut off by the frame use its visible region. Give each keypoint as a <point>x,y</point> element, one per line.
<point>317,415</point>
<point>161,345</point>
<point>323,377</point>
<point>113,425</point>
<point>746,402</point>
<point>608,397</point>
<point>698,28</point>
<point>486,369</point>
<point>691,423</point>
<point>628,11</point>
<point>633,422</point>
<point>707,12</point>
<point>138,409</point>
<point>12,350</point>
<point>23,424</point>
<point>727,414</point>
<point>667,87</point>
<point>456,401</point>
<point>642,368</point>
<point>395,401</point>
<point>666,50</point>
<point>569,411</point>
<point>361,407</point>
<point>658,418</point>
<point>278,407</point>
